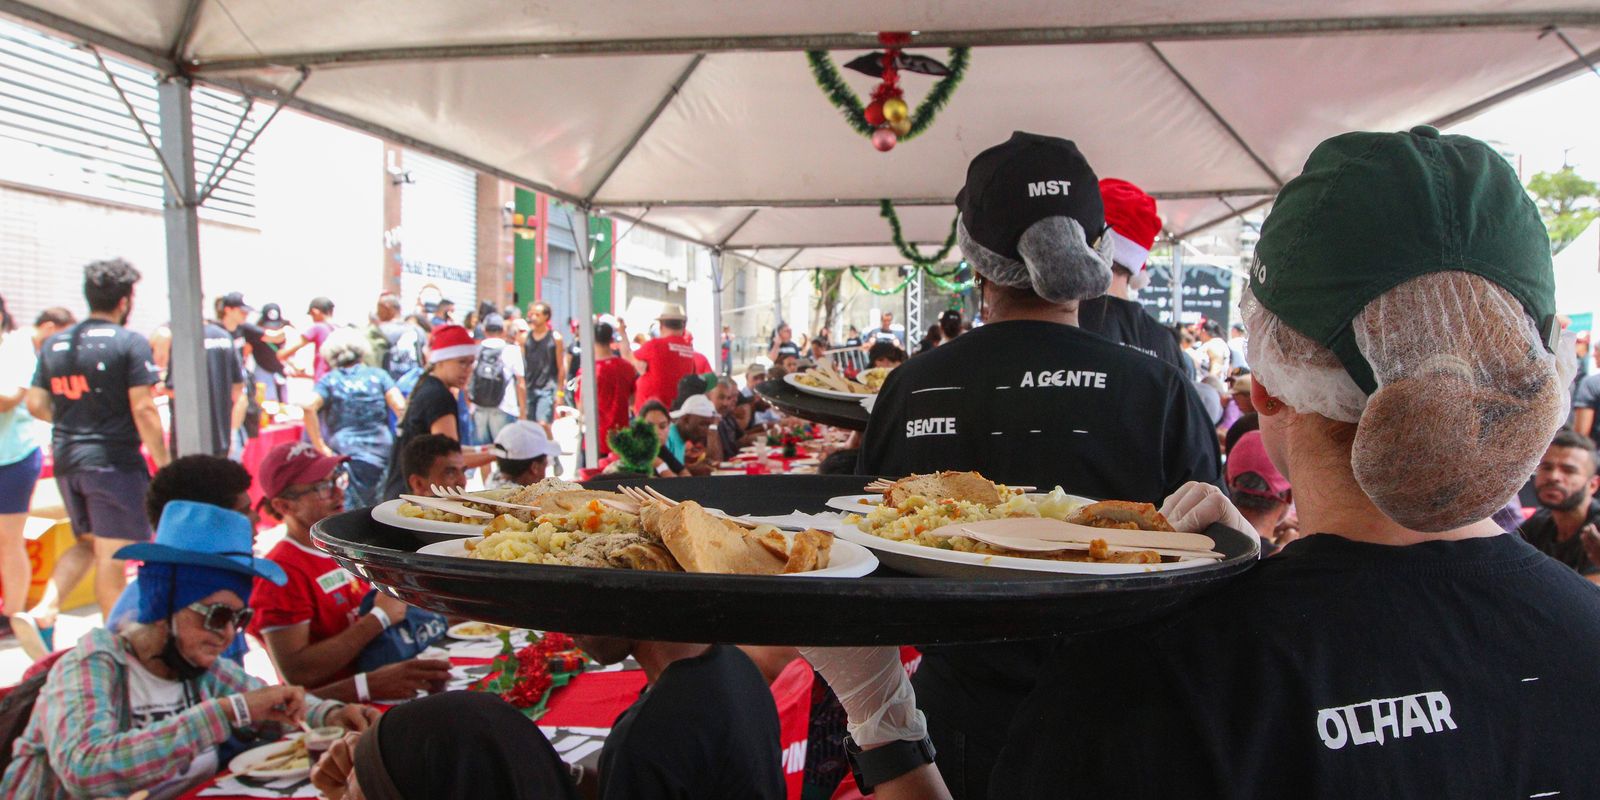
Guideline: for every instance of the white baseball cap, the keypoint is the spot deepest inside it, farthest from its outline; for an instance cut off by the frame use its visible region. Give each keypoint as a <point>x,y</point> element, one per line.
<point>522,440</point>
<point>698,405</point>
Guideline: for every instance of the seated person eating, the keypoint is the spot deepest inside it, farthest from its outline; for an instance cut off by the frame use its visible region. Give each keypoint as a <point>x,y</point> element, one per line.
<point>144,709</point>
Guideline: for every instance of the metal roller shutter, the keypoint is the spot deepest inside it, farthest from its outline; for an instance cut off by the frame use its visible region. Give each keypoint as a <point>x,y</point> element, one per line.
<point>439,232</point>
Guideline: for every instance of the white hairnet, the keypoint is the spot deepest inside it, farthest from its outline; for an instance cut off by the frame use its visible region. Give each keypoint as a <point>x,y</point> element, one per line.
<point>1467,400</point>
<point>1057,262</point>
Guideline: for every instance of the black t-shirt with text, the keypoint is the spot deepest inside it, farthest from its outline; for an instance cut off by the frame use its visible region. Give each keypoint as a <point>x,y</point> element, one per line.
<point>88,371</point>
<point>1042,404</point>
<point>429,401</point>
<point>707,730</point>
<point>1335,669</point>
<point>261,350</point>
<point>1540,531</point>
<point>880,335</point>
<point>1126,322</point>
<point>224,369</point>
<point>788,348</point>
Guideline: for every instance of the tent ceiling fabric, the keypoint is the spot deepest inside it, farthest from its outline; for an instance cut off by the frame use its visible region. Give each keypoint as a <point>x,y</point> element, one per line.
<point>749,131</point>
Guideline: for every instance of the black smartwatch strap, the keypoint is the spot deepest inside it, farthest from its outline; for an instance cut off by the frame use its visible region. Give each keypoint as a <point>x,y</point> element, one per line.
<point>887,762</point>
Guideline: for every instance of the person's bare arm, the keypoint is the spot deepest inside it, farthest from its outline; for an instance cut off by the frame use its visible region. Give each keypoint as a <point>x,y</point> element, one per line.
<point>624,349</point>
<point>561,365</point>
<point>241,405</point>
<point>1582,420</point>
<point>522,396</point>
<point>397,402</point>
<point>148,420</point>
<point>13,399</point>
<point>39,404</point>
<point>447,426</point>
<point>301,663</point>
<point>314,428</point>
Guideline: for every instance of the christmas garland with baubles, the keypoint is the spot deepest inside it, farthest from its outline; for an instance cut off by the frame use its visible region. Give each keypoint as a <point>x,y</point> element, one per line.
<point>887,119</point>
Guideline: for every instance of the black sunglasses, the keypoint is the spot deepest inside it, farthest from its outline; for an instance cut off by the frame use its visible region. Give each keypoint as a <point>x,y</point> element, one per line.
<point>218,616</point>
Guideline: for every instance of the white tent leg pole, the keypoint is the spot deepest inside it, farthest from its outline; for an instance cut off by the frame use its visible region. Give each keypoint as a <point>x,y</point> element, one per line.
<point>187,367</point>
<point>584,299</point>
<point>777,299</point>
<point>716,311</point>
<point>1177,282</point>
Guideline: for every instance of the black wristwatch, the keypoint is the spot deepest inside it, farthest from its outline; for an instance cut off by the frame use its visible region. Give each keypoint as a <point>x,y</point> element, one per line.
<point>880,764</point>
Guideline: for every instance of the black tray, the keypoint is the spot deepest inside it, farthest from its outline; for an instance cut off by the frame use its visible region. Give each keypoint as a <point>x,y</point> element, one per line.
<point>847,414</point>
<point>884,608</point>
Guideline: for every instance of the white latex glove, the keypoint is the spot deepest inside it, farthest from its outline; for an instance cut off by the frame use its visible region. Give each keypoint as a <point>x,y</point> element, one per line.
<point>1196,505</point>
<point>875,691</point>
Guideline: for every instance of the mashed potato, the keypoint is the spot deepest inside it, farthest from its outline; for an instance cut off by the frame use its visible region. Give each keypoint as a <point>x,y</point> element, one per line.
<point>550,538</point>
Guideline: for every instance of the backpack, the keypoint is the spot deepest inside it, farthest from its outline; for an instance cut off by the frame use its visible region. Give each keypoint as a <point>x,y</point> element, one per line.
<point>404,352</point>
<point>489,382</point>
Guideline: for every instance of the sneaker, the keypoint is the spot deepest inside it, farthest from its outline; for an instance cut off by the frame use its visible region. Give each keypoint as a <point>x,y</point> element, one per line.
<point>35,640</point>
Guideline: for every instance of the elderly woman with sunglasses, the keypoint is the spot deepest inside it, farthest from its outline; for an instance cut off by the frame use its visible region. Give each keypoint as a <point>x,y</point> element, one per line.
<point>146,708</point>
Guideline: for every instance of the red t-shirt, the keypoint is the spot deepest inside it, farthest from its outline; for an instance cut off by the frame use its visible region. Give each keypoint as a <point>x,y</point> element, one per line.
<point>613,382</point>
<point>318,591</point>
<point>669,359</point>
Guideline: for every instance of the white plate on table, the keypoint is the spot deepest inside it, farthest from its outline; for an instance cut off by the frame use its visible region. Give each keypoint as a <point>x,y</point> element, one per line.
<point>847,559</point>
<point>793,379</point>
<point>389,514</point>
<point>242,763</point>
<point>939,563</point>
<point>462,630</point>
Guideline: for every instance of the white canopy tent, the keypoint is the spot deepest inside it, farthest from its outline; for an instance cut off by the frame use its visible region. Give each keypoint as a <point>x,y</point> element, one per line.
<point>701,118</point>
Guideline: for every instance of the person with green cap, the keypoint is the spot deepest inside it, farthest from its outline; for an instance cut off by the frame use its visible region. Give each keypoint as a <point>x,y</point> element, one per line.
<point>144,709</point>
<point>1408,372</point>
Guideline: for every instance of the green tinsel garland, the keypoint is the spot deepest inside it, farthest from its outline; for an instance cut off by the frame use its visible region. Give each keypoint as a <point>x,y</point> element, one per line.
<point>844,98</point>
<point>886,210</point>
<point>855,272</point>
<point>937,279</point>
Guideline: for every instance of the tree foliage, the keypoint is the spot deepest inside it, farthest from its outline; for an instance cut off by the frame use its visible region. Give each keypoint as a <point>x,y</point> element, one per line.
<point>1567,201</point>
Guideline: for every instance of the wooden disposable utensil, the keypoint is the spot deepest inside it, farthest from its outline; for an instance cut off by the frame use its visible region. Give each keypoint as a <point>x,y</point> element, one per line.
<point>446,505</point>
<point>646,494</point>
<point>1054,530</point>
<point>1028,545</point>
<point>457,493</point>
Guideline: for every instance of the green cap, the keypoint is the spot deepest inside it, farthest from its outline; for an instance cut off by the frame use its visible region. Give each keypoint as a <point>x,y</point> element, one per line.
<point>1371,211</point>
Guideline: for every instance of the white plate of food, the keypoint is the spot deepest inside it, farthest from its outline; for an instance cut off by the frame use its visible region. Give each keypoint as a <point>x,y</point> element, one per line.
<point>404,514</point>
<point>471,630</point>
<point>916,534</point>
<point>846,559</point>
<point>285,758</point>
<point>833,389</point>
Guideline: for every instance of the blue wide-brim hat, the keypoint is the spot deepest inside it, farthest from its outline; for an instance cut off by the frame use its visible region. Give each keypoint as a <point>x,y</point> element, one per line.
<point>205,535</point>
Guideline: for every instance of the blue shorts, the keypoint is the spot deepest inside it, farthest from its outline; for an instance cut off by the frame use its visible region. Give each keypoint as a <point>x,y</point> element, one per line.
<point>17,480</point>
<point>108,503</point>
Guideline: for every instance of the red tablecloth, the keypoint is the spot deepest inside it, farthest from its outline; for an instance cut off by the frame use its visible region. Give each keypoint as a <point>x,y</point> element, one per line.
<point>596,699</point>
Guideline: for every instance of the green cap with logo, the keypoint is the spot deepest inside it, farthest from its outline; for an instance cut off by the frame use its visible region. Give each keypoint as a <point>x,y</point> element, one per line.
<point>1371,211</point>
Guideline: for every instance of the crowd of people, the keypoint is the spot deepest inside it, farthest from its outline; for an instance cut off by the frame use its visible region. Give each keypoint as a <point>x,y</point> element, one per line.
<point>1409,440</point>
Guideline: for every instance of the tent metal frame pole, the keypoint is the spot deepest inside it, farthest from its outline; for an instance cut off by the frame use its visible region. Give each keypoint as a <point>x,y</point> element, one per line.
<point>186,370</point>
<point>1195,194</point>
<point>1216,115</point>
<point>1176,284</point>
<point>716,311</point>
<point>739,227</point>
<point>94,37</point>
<point>186,26</point>
<point>205,193</point>
<point>173,186</point>
<point>824,245</point>
<point>1233,212</point>
<point>1536,82</point>
<point>585,300</point>
<point>1006,37</point>
<point>644,128</point>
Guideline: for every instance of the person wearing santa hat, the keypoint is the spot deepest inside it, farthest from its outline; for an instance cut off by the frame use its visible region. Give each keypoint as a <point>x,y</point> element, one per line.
<point>1131,215</point>
<point>432,407</point>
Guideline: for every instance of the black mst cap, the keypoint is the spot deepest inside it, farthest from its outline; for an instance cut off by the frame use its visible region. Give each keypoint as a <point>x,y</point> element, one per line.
<point>1030,177</point>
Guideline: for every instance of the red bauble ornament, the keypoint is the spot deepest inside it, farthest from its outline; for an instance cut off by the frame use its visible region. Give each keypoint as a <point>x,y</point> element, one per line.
<point>874,113</point>
<point>884,139</point>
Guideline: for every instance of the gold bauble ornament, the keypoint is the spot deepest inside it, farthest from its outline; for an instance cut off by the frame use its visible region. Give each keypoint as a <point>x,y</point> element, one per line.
<point>901,126</point>
<point>895,110</point>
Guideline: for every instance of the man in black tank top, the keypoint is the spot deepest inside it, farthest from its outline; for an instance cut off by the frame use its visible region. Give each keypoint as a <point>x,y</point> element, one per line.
<point>545,365</point>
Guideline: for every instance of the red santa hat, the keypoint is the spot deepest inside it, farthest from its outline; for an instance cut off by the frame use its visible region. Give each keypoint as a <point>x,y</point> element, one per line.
<point>450,341</point>
<point>1131,215</point>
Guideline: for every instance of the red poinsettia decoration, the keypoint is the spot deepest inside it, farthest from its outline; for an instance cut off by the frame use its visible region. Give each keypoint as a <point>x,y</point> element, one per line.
<point>525,677</point>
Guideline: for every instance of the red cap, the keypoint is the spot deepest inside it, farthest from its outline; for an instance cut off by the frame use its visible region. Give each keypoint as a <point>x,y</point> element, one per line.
<point>1134,225</point>
<point>450,341</point>
<point>1249,455</point>
<point>291,463</point>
